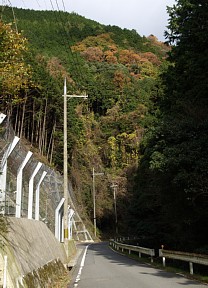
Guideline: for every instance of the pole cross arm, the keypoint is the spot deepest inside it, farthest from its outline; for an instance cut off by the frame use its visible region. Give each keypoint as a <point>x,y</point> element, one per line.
<point>96,174</point>
<point>114,186</point>
<point>77,96</point>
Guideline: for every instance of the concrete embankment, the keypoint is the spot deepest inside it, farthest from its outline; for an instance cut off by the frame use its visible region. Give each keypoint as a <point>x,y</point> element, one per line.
<point>34,256</point>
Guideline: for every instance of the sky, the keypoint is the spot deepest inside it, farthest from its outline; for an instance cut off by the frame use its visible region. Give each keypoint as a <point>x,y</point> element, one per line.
<point>145,16</point>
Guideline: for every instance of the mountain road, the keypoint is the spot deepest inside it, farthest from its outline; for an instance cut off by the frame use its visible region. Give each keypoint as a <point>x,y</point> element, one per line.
<point>101,267</point>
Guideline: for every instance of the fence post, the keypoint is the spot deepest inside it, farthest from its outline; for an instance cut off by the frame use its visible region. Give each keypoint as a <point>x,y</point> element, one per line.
<point>5,272</point>
<point>151,259</point>
<point>191,268</point>
<point>163,261</point>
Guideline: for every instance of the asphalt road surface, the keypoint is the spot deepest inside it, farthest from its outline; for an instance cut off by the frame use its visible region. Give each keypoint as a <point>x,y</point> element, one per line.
<point>100,267</point>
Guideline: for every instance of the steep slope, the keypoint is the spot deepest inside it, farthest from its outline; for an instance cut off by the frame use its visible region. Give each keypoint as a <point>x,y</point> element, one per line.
<point>118,69</point>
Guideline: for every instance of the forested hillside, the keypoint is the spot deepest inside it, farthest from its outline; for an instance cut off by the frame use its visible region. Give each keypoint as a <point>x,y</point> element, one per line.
<point>117,68</point>
<point>171,184</point>
<point>144,123</point>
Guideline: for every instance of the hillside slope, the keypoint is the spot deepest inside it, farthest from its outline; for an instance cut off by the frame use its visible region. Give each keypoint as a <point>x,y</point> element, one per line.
<point>117,68</point>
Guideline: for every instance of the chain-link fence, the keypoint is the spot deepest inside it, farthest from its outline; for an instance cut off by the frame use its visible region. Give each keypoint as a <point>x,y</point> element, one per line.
<point>51,188</point>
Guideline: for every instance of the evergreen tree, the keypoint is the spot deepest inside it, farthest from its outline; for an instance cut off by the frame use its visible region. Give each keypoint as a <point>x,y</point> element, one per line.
<point>174,166</point>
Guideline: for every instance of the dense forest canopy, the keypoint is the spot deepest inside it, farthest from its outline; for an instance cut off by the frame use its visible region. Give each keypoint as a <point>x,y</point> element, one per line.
<point>171,185</point>
<point>145,121</point>
<point>117,68</point>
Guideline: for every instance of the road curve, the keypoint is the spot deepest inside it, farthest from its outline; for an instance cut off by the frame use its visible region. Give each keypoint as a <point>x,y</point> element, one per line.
<point>104,268</point>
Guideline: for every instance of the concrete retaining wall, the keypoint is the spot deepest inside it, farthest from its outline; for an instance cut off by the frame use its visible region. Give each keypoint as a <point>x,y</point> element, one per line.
<point>30,245</point>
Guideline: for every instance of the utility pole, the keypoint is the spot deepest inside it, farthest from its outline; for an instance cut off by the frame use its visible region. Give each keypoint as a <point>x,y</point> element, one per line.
<point>94,198</point>
<point>66,231</point>
<point>114,186</point>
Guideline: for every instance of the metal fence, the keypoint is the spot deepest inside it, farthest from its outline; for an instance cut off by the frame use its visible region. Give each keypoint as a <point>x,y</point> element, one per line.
<point>51,188</point>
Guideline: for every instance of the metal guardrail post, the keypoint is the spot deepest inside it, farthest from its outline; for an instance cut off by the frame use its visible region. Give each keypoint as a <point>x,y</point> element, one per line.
<point>191,268</point>
<point>5,272</point>
<point>139,249</point>
<point>163,261</point>
<point>184,256</point>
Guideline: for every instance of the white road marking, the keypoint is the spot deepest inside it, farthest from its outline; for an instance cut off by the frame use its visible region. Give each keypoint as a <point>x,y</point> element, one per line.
<point>81,266</point>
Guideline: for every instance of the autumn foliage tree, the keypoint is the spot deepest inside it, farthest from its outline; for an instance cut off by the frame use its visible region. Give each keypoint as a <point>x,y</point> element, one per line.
<point>116,67</point>
<point>15,74</point>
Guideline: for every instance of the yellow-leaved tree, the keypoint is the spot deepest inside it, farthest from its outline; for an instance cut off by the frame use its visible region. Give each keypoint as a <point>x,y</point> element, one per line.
<point>15,74</point>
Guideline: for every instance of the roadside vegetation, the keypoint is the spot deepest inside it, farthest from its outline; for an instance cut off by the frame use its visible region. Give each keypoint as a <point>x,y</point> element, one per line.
<point>145,121</point>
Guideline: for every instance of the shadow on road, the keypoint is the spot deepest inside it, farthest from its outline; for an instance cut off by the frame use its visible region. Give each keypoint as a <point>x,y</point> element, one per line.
<point>104,250</point>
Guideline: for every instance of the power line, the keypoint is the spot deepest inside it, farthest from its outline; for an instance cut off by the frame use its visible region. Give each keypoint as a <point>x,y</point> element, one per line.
<point>72,52</point>
<point>45,4</point>
<point>52,5</point>
<point>15,22</point>
<point>78,72</point>
<point>65,37</point>
<point>68,35</point>
<point>38,3</point>
<point>23,3</point>
<point>63,5</point>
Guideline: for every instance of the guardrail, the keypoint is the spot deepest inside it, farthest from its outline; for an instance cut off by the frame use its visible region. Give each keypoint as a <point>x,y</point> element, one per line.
<point>125,239</point>
<point>178,255</point>
<point>116,245</point>
<point>184,256</point>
